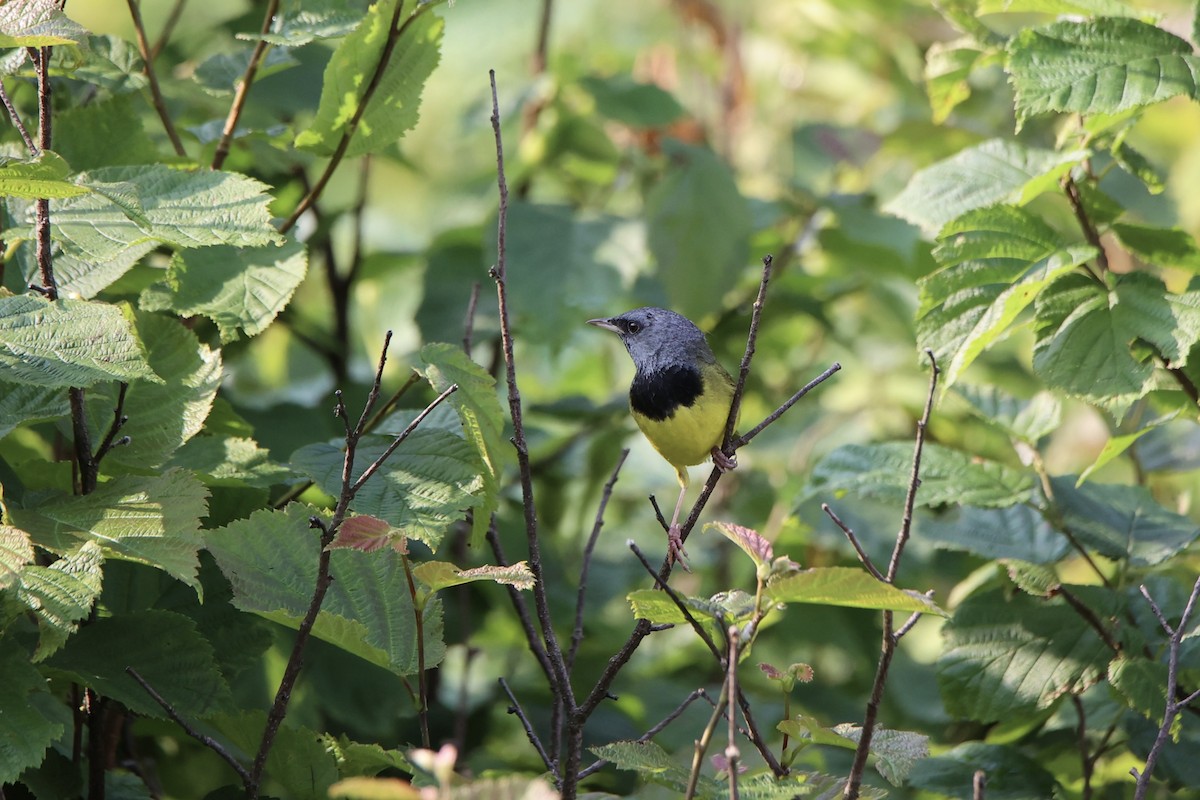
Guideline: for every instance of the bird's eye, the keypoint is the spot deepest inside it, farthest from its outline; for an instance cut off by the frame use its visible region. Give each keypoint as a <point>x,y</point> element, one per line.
<point>634,327</point>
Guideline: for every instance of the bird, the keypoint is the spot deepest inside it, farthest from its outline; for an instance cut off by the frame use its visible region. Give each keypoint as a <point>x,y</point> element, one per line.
<point>680,396</point>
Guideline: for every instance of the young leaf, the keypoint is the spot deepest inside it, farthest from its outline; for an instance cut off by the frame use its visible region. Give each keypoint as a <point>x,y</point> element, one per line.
<point>239,288</point>
<point>1122,522</point>
<point>162,646</point>
<point>750,542</point>
<point>1116,445</point>
<point>947,476</point>
<point>44,175</point>
<point>317,19</point>
<point>654,764</point>
<point>68,342</point>
<point>712,614</point>
<point>1101,66</point>
<point>37,23</point>
<point>365,533</point>
<point>850,587</point>
<point>481,417</point>
<point>162,416</point>
<point>152,521</point>
<point>1010,657</point>
<point>699,228</point>
<point>271,560</point>
<point>412,48</point>
<point>26,707</point>
<point>61,595</point>
<point>997,261</point>
<point>996,171</point>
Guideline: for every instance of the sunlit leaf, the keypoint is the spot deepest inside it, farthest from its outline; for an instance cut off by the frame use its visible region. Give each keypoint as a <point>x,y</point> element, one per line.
<point>44,175</point>
<point>230,460</point>
<point>851,587</point>
<point>37,23</point>
<point>15,552</point>
<point>61,595</point>
<point>1160,247</point>
<point>438,575</point>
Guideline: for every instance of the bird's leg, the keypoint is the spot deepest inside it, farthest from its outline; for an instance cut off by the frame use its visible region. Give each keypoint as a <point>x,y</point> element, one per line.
<point>723,462</point>
<point>675,550</point>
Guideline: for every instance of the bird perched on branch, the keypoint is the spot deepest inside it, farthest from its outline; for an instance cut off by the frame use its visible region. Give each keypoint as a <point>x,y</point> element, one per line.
<point>680,396</point>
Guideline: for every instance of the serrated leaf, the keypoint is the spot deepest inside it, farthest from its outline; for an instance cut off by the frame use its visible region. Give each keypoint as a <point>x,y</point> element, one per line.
<point>44,175</point>
<point>68,342</point>
<point>152,521</point>
<point>1005,657</point>
<point>1099,8</point>
<point>1016,532</point>
<point>1101,66</point>
<point>21,403</point>
<point>61,595</point>
<point>425,486</point>
<point>482,420</point>
<point>1084,333</point>
<point>896,752</point>
<point>392,109</point>
<point>37,23</point>
<point>698,227</point>
<point>1038,580</point>
<point>109,62</point>
<point>161,416</point>
<point>271,561</point>
<point>1011,775</point>
<point>655,606</point>
<point>653,763</point>
<point>1137,165</point>
<point>996,262</point>
<point>129,206</point>
<point>15,552</point>
<point>24,697</point>
<point>1025,420</point>
<point>230,461</point>
<point>238,288</point>
<point>438,575</point>
<point>315,20</point>
<point>1141,683</point>
<point>301,762</point>
<point>365,533</point>
<point>162,646</point>
<point>947,476</point>
<point>995,171</point>
<point>103,133</point>
<point>1160,247</point>
<point>1122,522</point>
<point>750,542</point>
<point>850,587</point>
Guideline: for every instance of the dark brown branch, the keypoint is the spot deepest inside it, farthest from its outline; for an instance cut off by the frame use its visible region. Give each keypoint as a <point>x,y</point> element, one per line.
<point>42,205</point>
<point>744,439</point>
<point>207,741</point>
<point>589,548</point>
<point>515,708</point>
<point>84,463</point>
<point>858,548</point>
<point>399,440</point>
<point>1088,616</point>
<point>914,481</point>
<point>735,406</point>
<point>243,89</point>
<point>17,122</point>
<point>119,420</point>
<point>654,731</point>
<point>160,105</point>
<point>422,678</point>
<point>679,604</point>
<point>1085,224</point>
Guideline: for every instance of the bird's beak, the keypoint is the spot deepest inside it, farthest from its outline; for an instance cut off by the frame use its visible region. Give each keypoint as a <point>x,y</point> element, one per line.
<point>604,323</point>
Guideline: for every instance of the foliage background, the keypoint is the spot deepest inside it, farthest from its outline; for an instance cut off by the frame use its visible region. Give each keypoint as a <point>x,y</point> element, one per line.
<point>781,128</point>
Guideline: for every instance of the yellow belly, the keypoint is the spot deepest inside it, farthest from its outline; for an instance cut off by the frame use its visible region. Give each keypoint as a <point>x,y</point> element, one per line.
<point>691,432</point>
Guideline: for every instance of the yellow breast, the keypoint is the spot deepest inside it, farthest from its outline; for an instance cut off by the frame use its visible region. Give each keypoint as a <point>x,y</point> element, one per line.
<point>689,433</point>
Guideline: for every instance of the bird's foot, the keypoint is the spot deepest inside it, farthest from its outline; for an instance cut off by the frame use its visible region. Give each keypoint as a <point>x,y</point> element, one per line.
<point>723,462</point>
<point>675,551</point>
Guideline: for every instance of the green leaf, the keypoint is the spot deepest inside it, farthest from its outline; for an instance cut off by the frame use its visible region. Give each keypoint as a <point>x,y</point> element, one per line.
<point>129,206</point>
<point>37,23</point>
<point>68,342</point>
<point>1017,532</point>
<point>1098,8</point>
<point>1117,445</point>
<point>271,560</point>
<point>947,476</point>
<point>1010,657</point>
<point>238,288</point>
<point>699,227</point>
<point>152,521</point>
<point>1084,333</point>
<point>21,403</point>
<point>221,73</point>
<point>1122,522</point>
<point>314,20</point>
<point>948,65</point>
<point>1141,683</point>
<point>654,764</point>
<point>1024,420</point>
<point>1101,66</point>
<point>1011,775</point>
<point>104,133</point>
<point>896,752</point>
<point>995,171</point>
<point>301,761</point>
<point>28,728</point>
<point>438,575</point>
<point>15,552</point>
<point>478,408</point>
<point>162,646</point>
<point>1160,247</point>
<point>61,595</point>
<point>44,175</point>
<point>162,416</point>
<point>621,98</point>
<point>393,107</point>
<point>996,262</point>
<point>713,614</point>
<point>423,488</point>
<point>230,461</point>
<point>109,62</point>
<point>850,587</point>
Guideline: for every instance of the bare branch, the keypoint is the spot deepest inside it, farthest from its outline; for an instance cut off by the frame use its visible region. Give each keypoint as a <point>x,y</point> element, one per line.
<point>164,35</point>
<point>744,439</point>
<point>858,548</point>
<point>515,708</point>
<point>914,481</point>
<point>17,121</point>
<point>469,320</point>
<point>678,601</point>
<point>653,731</point>
<point>739,388</point>
<point>243,88</point>
<point>160,105</point>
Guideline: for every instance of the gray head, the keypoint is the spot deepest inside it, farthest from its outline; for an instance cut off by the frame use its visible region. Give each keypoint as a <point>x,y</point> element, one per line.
<point>656,338</point>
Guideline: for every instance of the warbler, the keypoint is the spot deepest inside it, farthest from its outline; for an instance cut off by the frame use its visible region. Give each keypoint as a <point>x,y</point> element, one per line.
<point>680,395</point>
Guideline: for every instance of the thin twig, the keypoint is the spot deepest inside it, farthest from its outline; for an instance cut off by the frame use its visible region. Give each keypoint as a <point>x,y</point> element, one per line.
<point>419,630</point>
<point>521,607</point>
<point>399,440</point>
<point>42,205</point>
<point>17,122</point>
<point>1075,200</point>
<point>653,731</point>
<point>84,463</point>
<point>733,755</point>
<point>890,639</point>
<point>243,88</point>
<point>744,439</point>
<point>1088,616</point>
<point>978,782</point>
<point>515,709</point>
<point>160,105</point>
<point>119,420</point>
<point>597,526</point>
<point>469,321</point>
<point>1173,705</point>
<point>164,35</point>
<point>858,548</point>
<point>735,406</point>
<point>679,604</point>
<point>207,741</point>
